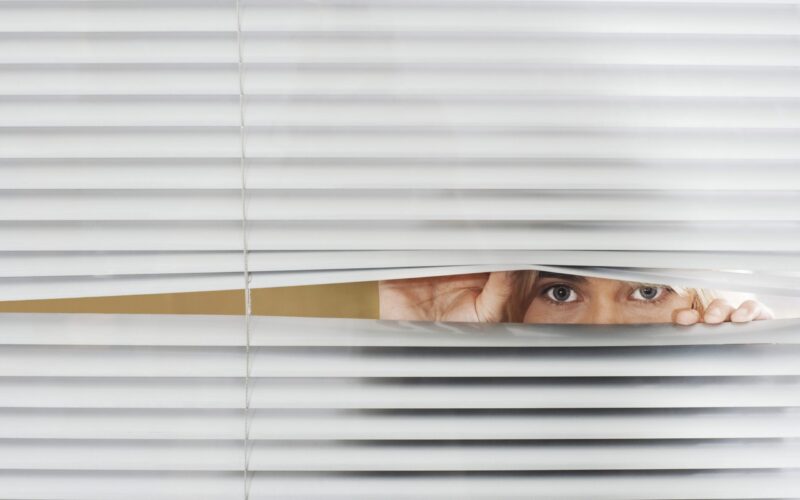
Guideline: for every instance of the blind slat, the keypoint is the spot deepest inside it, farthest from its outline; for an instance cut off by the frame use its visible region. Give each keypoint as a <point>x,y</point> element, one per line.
<point>391,111</point>
<point>54,264</point>
<point>391,235</point>
<point>394,205</point>
<point>30,329</point>
<point>645,80</point>
<point>228,456</point>
<point>665,17</point>
<point>406,47</point>
<point>48,392</point>
<point>430,425</point>
<point>450,174</point>
<point>104,361</point>
<point>68,485</point>
<point>93,16</point>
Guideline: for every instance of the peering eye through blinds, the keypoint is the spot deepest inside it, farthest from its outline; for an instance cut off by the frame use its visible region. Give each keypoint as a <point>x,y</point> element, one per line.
<point>653,140</point>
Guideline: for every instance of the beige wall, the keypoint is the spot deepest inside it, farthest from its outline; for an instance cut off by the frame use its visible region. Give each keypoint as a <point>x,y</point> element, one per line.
<point>349,300</point>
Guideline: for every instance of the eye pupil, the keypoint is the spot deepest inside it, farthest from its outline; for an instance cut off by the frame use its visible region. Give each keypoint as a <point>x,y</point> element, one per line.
<point>648,292</point>
<point>561,292</point>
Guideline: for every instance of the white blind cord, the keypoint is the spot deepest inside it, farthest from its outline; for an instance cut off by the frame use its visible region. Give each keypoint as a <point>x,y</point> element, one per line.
<point>245,254</point>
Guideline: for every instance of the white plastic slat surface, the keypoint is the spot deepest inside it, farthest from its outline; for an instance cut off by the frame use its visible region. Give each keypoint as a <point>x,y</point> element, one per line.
<point>23,16</point>
<point>417,174</point>
<point>54,264</point>
<point>153,401</point>
<point>416,425</point>
<point>142,330</point>
<point>501,111</point>
<point>414,47</point>
<point>72,485</point>
<point>119,123</point>
<point>393,235</point>
<point>654,143</point>
<point>756,18</point>
<point>188,455</point>
<point>418,79</point>
<point>193,392</point>
<point>72,361</point>
<point>393,205</point>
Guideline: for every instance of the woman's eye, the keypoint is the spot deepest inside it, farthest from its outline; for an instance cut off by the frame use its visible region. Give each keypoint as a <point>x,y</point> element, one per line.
<point>561,293</point>
<point>647,293</point>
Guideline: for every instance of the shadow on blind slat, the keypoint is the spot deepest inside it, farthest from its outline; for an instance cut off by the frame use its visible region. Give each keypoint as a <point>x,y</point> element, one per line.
<point>346,408</point>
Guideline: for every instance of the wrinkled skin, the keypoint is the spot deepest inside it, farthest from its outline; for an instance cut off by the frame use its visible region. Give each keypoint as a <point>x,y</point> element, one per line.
<point>556,299</point>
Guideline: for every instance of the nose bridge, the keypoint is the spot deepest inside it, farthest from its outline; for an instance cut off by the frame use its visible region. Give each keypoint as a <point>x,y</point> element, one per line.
<point>603,311</point>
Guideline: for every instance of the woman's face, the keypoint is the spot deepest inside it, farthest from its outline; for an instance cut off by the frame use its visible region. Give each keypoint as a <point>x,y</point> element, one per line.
<point>561,298</point>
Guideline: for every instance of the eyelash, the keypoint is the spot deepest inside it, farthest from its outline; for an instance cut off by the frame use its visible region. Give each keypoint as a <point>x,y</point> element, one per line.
<point>544,293</point>
<point>666,291</point>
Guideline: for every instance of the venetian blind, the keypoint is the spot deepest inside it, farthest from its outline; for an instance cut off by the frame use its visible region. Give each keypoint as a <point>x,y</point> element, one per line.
<point>385,134</point>
<point>372,139</point>
<point>122,407</point>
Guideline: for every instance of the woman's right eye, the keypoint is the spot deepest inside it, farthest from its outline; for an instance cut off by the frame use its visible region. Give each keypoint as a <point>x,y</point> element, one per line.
<point>561,293</point>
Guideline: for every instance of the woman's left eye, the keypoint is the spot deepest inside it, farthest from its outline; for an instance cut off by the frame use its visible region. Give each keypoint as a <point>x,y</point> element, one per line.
<point>561,294</point>
<point>647,293</point>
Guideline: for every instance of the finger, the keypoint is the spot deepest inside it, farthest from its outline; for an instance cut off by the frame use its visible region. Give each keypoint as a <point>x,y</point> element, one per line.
<point>490,304</point>
<point>718,311</point>
<point>747,311</point>
<point>686,317</point>
<point>766,313</point>
<point>751,310</point>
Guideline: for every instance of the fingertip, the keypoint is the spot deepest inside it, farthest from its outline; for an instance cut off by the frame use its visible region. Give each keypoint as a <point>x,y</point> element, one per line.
<point>747,311</point>
<point>687,317</point>
<point>742,316</point>
<point>713,316</point>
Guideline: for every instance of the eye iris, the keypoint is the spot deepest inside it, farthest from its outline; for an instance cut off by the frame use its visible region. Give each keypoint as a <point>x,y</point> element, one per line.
<point>561,293</point>
<point>648,292</point>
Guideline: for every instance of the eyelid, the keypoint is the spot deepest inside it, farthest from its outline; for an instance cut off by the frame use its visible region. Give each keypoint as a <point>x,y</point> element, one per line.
<point>662,292</point>
<point>636,286</point>
<point>545,292</point>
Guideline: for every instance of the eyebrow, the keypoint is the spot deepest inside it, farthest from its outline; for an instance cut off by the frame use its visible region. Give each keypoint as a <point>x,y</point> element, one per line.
<point>574,278</point>
<point>566,277</point>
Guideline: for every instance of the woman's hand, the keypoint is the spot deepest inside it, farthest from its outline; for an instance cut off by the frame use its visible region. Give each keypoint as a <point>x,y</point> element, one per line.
<point>720,310</point>
<point>466,297</point>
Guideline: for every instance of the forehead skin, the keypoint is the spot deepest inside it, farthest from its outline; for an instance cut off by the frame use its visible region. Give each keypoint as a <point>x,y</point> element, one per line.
<point>600,301</point>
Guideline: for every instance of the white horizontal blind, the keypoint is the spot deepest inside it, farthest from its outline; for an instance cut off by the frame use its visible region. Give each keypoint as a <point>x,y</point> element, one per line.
<point>120,407</point>
<point>394,134</point>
